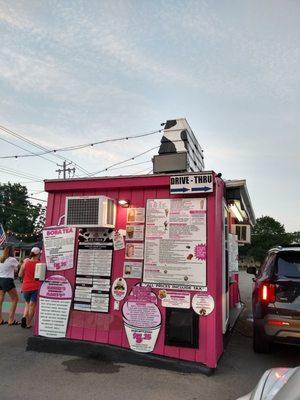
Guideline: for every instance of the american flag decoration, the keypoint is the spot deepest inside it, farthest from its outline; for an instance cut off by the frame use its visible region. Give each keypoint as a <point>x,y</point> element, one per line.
<point>2,235</point>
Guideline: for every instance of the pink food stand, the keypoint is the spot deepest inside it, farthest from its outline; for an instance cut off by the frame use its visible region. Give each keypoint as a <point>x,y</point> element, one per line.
<point>137,263</point>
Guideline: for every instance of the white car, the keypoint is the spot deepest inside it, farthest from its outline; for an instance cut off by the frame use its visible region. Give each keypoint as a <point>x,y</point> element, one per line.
<point>277,384</point>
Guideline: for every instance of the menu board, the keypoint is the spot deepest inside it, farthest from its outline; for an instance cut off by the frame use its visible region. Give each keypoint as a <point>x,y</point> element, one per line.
<point>175,243</point>
<point>94,262</point>
<point>59,247</point>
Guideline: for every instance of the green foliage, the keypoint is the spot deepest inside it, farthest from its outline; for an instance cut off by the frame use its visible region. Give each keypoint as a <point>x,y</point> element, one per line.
<point>17,214</point>
<point>267,233</point>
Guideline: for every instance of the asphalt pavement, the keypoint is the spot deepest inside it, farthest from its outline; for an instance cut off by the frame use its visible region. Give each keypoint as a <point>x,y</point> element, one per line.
<point>31,375</point>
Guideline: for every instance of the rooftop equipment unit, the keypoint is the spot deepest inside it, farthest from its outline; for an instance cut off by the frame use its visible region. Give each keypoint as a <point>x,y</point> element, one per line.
<point>90,211</point>
<point>179,150</point>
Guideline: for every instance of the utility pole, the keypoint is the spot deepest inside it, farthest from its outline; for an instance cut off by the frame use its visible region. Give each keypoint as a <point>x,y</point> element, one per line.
<point>65,170</point>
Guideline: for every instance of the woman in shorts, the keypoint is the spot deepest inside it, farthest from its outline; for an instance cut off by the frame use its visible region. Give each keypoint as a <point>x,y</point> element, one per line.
<point>29,286</point>
<point>8,265</point>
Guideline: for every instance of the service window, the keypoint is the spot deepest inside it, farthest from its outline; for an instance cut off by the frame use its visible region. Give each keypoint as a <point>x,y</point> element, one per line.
<point>182,328</point>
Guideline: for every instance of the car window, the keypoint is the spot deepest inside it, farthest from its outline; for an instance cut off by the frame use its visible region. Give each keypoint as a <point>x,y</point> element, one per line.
<point>268,266</point>
<point>288,264</point>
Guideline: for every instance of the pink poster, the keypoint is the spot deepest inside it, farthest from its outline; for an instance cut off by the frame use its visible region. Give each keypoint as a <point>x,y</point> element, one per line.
<point>54,306</point>
<point>142,319</point>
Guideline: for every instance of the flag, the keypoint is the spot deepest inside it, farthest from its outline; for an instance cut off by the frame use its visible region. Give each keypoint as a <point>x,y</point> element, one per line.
<point>2,235</point>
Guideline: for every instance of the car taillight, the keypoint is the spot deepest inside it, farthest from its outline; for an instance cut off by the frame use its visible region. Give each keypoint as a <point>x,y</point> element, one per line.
<point>267,293</point>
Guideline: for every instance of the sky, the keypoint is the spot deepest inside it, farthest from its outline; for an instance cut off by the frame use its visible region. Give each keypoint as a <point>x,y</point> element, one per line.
<point>84,71</point>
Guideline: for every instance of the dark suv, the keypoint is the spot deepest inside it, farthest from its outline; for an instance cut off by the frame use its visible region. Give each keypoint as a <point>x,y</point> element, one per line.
<point>276,299</point>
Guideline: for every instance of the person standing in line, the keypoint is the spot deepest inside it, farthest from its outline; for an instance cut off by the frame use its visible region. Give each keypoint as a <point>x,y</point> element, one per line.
<point>8,266</point>
<point>29,286</point>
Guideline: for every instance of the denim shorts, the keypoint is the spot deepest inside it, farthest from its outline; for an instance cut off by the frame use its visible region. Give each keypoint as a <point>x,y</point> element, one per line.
<point>6,284</point>
<point>30,296</point>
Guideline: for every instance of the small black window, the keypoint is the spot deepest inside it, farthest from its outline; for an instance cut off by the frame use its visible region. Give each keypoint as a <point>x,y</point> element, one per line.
<point>182,328</point>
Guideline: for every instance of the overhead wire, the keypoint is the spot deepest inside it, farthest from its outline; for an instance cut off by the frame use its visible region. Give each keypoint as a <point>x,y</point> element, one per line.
<point>37,145</point>
<point>80,146</point>
<point>17,174</point>
<point>124,161</point>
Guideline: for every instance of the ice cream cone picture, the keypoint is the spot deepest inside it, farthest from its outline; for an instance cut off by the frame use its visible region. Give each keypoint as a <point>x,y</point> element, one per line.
<point>142,319</point>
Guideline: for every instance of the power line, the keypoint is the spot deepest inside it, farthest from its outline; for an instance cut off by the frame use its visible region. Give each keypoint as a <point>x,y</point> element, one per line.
<point>32,143</point>
<point>77,147</point>
<point>124,161</point>
<point>18,175</point>
<point>34,198</point>
<point>131,165</point>
<point>20,172</point>
<point>20,147</point>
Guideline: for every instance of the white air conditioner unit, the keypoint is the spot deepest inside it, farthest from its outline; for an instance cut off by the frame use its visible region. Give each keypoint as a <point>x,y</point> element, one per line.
<point>243,232</point>
<point>90,211</point>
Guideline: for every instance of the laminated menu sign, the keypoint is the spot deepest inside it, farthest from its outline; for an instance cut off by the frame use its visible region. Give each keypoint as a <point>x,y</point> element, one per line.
<point>134,251</point>
<point>142,319</point>
<point>135,215</point>
<point>174,299</point>
<point>59,243</point>
<point>175,243</point>
<point>132,269</point>
<point>94,262</point>
<point>135,232</point>
<point>54,306</point>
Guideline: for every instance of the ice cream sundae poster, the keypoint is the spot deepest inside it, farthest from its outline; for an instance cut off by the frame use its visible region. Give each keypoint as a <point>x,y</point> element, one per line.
<point>175,243</point>
<point>142,319</point>
<point>59,243</point>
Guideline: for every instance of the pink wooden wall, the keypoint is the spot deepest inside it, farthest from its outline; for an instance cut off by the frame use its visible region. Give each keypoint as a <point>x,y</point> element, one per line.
<point>108,328</point>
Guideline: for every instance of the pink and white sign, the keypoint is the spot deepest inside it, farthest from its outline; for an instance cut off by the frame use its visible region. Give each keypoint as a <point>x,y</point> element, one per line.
<point>59,243</point>
<point>119,289</point>
<point>142,319</point>
<point>175,299</point>
<point>203,304</point>
<point>54,306</point>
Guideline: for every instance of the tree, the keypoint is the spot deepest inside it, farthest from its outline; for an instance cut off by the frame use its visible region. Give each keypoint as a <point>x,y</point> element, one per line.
<point>17,214</point>
<point>267,233</point>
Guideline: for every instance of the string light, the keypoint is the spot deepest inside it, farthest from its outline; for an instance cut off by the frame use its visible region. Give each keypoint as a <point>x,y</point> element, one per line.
<point>76,147</point>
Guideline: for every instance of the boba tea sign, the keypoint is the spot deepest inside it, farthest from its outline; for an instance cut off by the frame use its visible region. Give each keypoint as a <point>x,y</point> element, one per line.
<point>142,319</point>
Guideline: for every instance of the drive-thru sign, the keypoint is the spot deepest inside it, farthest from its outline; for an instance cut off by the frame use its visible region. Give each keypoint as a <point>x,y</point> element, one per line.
<point>186,184</point>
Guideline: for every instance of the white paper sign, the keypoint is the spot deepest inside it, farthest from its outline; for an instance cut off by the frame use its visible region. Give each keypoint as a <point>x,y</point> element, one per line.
<point>54,306</point>
<point>118,241</point>
<point>135,232</point>
<point>59,245</point>
<point>233,253</point>
<point>203,304</point>
<point>135,215</point>
<point>175,243</point>
<point>134,251</point>
<point>174,299</point>
<point>132,269</point>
